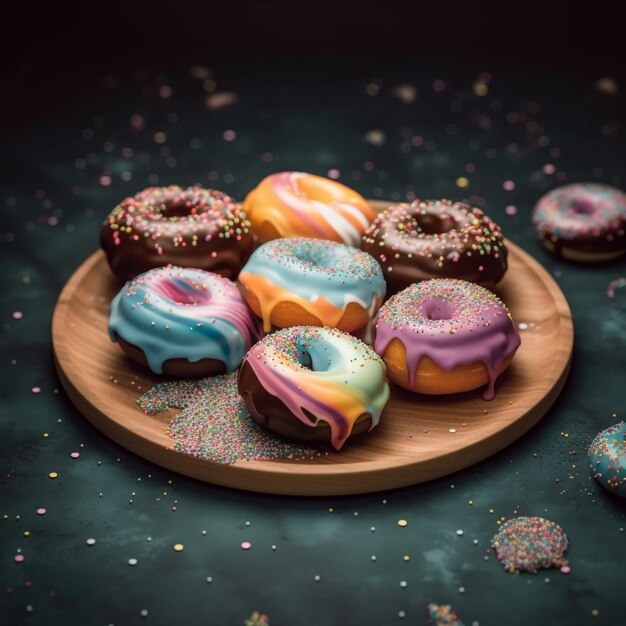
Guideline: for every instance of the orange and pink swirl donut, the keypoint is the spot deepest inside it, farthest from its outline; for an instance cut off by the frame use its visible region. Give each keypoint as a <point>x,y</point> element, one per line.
<point>296,204</point>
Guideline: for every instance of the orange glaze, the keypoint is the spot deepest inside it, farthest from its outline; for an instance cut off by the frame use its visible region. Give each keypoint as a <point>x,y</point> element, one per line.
<point>272,302</point>
<point>296,204</point>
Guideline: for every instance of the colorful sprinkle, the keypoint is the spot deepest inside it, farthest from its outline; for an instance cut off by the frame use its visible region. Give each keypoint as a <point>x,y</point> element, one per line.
<point>214,423</point>
<point>443,615</point>
<point>257,619</point>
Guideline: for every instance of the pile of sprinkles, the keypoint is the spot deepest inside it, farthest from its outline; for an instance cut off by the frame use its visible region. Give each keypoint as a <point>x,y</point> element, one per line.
<point>526,544</point>
<point>257,619</point>
<point>443,615</point>
<point>214,424</point>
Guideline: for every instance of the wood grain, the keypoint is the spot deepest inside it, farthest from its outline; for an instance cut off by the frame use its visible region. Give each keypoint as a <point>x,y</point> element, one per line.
<point>413,442</point>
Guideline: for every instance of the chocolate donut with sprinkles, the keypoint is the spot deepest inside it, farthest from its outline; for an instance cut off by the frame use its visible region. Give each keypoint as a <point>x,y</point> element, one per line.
<point>436,239</point>
<point>187,227</point>
<point>301,281</point>
<point>183,322</point>
<point>582,222</point>
<point>445,336</point>
<point>314,383</point>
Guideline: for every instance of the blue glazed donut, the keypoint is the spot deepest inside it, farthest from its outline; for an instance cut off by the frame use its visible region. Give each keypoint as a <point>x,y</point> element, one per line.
<point>607,459</point>
<point>181,321</point>
<point>299,281</point>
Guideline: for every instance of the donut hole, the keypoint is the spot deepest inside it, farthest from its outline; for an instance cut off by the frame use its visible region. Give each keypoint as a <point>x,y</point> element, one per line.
<point>313,258</point>
<point>436,309</point>
<point>306,361</point>
<point>182,205</point>
<point>433,224</point>
<point>582,206</point>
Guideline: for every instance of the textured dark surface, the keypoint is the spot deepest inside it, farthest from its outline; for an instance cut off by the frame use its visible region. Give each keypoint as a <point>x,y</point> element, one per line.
<point>317,118</point>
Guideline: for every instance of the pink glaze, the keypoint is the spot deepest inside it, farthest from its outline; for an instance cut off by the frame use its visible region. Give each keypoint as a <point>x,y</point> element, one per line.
<point>453,322</point>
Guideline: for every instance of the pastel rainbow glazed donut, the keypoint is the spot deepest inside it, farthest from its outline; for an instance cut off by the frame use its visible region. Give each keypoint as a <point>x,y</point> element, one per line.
<point>299,281</point>
<point>296,204</point>
<point>582,222</point>
<point>314,383</point>
<point>183,226</point>
<point>607,459</point>
<point>183,322</point>
<point>436,239</point>
<point>445,336</point>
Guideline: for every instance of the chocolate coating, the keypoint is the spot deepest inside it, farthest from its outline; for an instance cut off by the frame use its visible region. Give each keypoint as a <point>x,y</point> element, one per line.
<point>187,227</point>
<point>181,368</point>
<point>582,221</point>
<point>269,411</point>
<point>436,239</point>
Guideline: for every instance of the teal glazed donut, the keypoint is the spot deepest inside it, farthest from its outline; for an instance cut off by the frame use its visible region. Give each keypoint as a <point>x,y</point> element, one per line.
<point>582,222</point>
<point>300,281</point>
<point>183,322</point>
<point>607,459</point>
<point>314,383</point>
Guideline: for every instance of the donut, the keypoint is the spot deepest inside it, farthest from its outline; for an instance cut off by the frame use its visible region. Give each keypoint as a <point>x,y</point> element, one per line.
<point>182,322</point>
<point>299,281</point>
<point>607,459</point>
<point>436,239</point>
<point>314,383</point>
<point>187,227</point>
<point>296,204</point>
<point>445,336</point>
<point>582,222</point>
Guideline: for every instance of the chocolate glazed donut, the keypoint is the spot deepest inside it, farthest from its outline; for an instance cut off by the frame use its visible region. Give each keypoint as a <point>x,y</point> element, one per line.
<point>186,227</point>
<point>436,239</point>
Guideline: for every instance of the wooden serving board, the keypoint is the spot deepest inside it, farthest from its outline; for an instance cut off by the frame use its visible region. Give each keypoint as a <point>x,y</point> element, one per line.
<point>413,442</point>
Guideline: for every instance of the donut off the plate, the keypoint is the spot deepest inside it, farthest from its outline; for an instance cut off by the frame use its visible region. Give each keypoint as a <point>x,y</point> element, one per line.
<point>412,443</point>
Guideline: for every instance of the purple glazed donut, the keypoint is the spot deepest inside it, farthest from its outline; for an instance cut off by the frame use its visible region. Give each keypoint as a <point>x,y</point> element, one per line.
<point>445,336</point>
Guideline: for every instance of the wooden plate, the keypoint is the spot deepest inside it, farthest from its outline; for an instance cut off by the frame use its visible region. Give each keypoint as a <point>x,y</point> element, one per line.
<point>415,441</point>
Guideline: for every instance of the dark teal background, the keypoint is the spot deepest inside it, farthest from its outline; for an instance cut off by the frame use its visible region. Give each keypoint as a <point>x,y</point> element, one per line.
<point>312,118</point>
